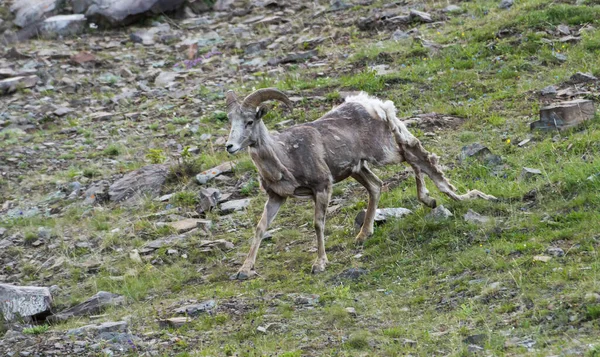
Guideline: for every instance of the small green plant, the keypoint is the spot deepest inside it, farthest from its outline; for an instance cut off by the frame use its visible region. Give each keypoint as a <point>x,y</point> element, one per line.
<point>593,312</point>
<point>185,199</point>
<point>249,187</point>
<point>112,150</point>
<point>156,156</point>
<point>358,341</point>
<point>91,172</point>
<point>36,330</point>
<point>30,237</point>
<point>219,116</point>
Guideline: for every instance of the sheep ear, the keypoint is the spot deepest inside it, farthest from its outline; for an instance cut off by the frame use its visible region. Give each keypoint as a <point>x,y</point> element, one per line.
<point>260,112</point>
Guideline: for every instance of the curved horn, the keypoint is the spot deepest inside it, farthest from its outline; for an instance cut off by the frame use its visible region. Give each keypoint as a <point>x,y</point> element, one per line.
<point>262,95</point>
<point>231,99</point>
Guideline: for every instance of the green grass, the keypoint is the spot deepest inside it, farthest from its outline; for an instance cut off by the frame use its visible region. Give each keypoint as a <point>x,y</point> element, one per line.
<point>36,330</point>
<point>429,285</point>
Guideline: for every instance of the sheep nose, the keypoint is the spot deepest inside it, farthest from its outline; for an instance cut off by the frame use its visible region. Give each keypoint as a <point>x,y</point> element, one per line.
<point>229,147</point>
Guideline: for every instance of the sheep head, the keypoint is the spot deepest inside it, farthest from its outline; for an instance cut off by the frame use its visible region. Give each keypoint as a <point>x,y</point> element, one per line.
<point>245,116</point>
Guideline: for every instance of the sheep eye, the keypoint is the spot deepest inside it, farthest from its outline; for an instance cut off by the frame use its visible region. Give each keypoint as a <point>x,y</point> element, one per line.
<point>248,124</point>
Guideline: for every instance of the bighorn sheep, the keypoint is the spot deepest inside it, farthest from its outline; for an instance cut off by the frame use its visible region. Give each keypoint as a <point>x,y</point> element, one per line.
<point>306,160</point>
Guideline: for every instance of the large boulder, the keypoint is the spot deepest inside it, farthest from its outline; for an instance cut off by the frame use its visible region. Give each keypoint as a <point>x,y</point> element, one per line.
<point>147,180</point>
<point>62,25</point>
<point>29,12</point>
<point>93,305</point>
<point>24,301</point>
<point>122,12</point>
<point>11,85</point>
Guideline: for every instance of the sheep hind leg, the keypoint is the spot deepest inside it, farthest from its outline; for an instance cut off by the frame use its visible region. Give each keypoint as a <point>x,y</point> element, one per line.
<point>422,192</point>
<point>423,161</point>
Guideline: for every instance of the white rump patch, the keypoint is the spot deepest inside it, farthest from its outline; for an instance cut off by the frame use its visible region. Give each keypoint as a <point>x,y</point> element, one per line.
<point>385,111</point>
<point>375,106</point>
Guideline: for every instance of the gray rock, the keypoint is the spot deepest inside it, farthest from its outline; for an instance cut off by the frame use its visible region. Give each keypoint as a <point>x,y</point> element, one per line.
<point>452,8</point>
<point>24,301</point>
<point>44,233</point>
<point>399,35</point>
<point>62,26</point>
<point>147,36</point>
<point>223,5</point>
<point>2,231</point>
<point>147,180</point>
<point>209,198</point>
<point>474,349</point>
<point>581,77</point>
<point>420,16</point>
<point>11,85</point>
<point>234,205</point>
<point>97,192</point>
<point>28,12</point>
<point>91,306</point>
<point>439,213</point>
<point>186,225</point>
<point>94,329</point>
<point>563,29</point>
<point>293,58</point>
<point>381,215</point>
<point>196,309</point>
<point>165,79</point>
<point>337,5</point>
<point>560,57</point>
<point>474,217</point>
<point>122,12</point>
<point>352,274</point>
<point>476,339</point>
<point>208,175</point>
<point>474,150</point>
<point>528,173</point>
<point>555,251</point>
<point>549,90</point>
<point>310,300</point>
<point>506,4</point>
<point>481,153</point>
<point>409,342</point>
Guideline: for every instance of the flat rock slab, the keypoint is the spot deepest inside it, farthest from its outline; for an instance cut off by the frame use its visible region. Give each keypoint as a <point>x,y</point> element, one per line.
<point>439,213</point>
<point>196,309</point>
<point>474,217</point>
<point>147,180</point>
<point>565,115</point>
<point>210,245</point>
<point>119,326</point>
<point>62,25</point>
<point>11,85</point>
<point>528,173</point>
<point>234,205</point>
<point>206,176</point>
<point>188,224</point>
<point>91,306</point>
<point>175,322</point>
<point>24,301</point>
<point>382,215</point>
<point>122,12</point>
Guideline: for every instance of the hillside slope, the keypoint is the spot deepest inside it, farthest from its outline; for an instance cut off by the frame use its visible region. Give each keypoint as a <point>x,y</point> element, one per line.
<point>523,279</point>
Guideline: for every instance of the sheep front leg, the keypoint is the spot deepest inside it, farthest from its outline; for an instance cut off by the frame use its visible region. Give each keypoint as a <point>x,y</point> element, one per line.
<point>271,208</point>
<point>321,202</point>
<point>373,185</point>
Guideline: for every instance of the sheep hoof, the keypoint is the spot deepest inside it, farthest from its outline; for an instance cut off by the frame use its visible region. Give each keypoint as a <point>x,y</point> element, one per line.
<point>244,275</point>
<point>319,266</point>
<point>361,238</point>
